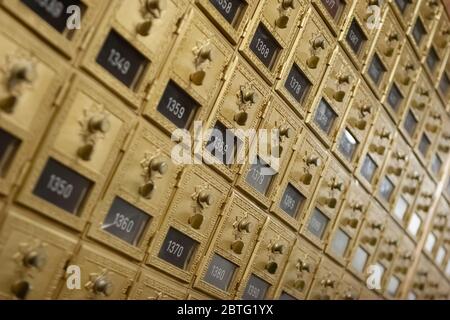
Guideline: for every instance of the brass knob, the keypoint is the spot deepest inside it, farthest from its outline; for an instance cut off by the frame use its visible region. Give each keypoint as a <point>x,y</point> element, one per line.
<point>146,189</point>
<point>196,221</point>
<point>328,283</point>
<point>85,152</point>
<point>306,178</point>
<point>331,202</point>
<point>205,198</point>
<point>395,171</point>
<point>336,185</point>
<point>432,128</point>
<point>419,286</point>
<point>159,166</point>
<point>414,176</point>
<point>339,96</point>
<point>21,73</point>
<point>302,266</point>
<point>241,118</point>
<point>313,61</point>
<point>20,289</point>
<point>277,248</point>
<point>99,123</point>
<point>407,256</point>
<point>387,255</point>
<point>352,222</point>
<point>384,134</point>
<point>144,28</point>
<point>35,259</point>
<point>393,37</point>
<point>423,92</point>
<point>197,77</point>
<point>372,241</point>
<point>8,104</point>
<point>422,273</point>
<point>400,156</point>
<point>286,131</point>
<point>248,96</point>
<point>423,207</point>
<point>418,105</point>
<point>318,43</point>
<point>365,110</point>
<point>282,21</point>
<point>299,284</point>
<point>272,267</point>
<point>409,190</point>
<point>378,149</point>
<point>344,79</point>
<point>313,161</point>
<point>103,285</point>
<point>377,226</point>
<point>156,7</point>
<point>402,270</point>
<point>444,148</point>
<point>237,246</point>
<point>288,4</point>
<point>244,225</point>
<point>357,207</point>
<point>360,124</point>
<point>392,242</point>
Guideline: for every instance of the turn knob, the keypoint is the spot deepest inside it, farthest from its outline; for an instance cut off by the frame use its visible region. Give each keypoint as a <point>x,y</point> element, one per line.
<point>277,248</point>
<point>244,225</point>
<point>318,43</point>
<point>204,199</point>
<point>313,161</point>
<point>328,283</point>
<point>103,286</point>
<point>159,166</point>
<point>156,7</point>
<point>20,289</point>
<point>286,131</point>
<point>35,259</point>
<point>99,123</point>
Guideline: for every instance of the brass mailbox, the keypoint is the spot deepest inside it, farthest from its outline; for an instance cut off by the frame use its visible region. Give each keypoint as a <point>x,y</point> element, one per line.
<point>333,97</point>
<point>270,153</point>
<point>406,72</point>
<point>296,190</point>
<point>104,275</point>
<point>441,152</point>
<point>77,154</point>
<point>270,34</point>
<point>326,281</point>
<point>348,223</point>
<point>361,28</point>
<point>32,80</point>
<point>190,220</point>
<point>325,206</point>
<point>33,254</point>
<point>437,53</point>
<point>267,263</point>
<point>131,43</point>
<point>423,275</point>
<point>302,73</point>
<point>368,240</point>
<point>154,285</point>
<point>384,55</point>
<point>443,85</point>
<point>356,126</point>
<point>349,288</point>
<point>299,272</point>
<point>376,151</point>
<point>392,173</point>
<point>230,248</point>
<point>389,244</point>
<point>404,10</point>
<point>229,16</point>
<point>335,12</point>
<point>424,25</point>
<point>131,209</point>
<point>66,25</point>
<point>192,75</point>
<point>239,107</point>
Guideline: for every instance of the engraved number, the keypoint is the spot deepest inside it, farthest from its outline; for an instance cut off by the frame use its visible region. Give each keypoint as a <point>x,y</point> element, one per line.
<point>175,107</point>
<point>116,60</point>
<point>54,7</point>
<point>175,248</point>
<point>225,5</point>
<point>60,186</point>
<point>123,223</point>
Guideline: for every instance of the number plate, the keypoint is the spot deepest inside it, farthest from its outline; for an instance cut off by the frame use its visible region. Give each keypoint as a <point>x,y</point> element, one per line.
<point>177,106</point>
<point>256,289</point>
<point>348,145</point>
<point>260,175</point>
<point>220,272</point>
<point>54,12</point>
<point>360,259</point>
<point>291,201</point>
<point>402,4</point>
<point>432,59</point>
<point>62,187</point>
<point>8,149</point>
<point>444,84</point>
<point>264,46</point>
<point>340,243</point>
<point>297,84</point>
<point>223,144</point>
<point>355,37</point>
<point>125,221</point>
<point>177,248</point>
<point>325,116</point>
<point>318,223</point>
<point>122,60</point>
<point>410,124</point>
<point>386,188</point>
<point>229,9</point>
<point>368,168</point>
<point>376,69</point>
<point>394,97</point>
<point>418,31</point>
<point>333,7</point>
<point>424,145</point>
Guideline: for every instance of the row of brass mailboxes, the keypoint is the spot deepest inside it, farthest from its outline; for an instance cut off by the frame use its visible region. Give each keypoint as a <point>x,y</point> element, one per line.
<point>249,256</point>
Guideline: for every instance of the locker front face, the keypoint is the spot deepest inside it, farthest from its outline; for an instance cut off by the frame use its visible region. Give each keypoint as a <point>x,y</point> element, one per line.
<point>404,10</point>
<point>33,255</point>
<point>52,20</point>
<point>441,152</point>
<point>326,280</point>
<point>77,154</point>
<point>400,268</point>
<point>104,276</point>
<point>192,75</point>
<point>127,216</point>
<point>326,204</point>
<point>131,43</point>
<point>32,78</point>
<point>438,51</point>
<point>335,12</point>
<point>231,248</point>
<point>389,244</point>
<point>303,71</point>
<point>333,98</point>
<point>349,288</point>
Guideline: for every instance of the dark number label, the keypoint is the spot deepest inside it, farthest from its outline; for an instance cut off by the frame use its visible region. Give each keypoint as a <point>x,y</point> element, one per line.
<point>376,69</point>
<point>402,4</point>
<point>340,243</point>
<point>348,145</point>
<point>360,259</point>
<point>432,59</point>
<point>125,221</point>
<point>264,46</point>
<point>355,37</point>
<point>228,8</point>
<point>368,168</point>
<point>297,83</point>
<point>223,144</point>
<point>220,272</point>
<point>122,60</point>
<point>54,12</point>
<point>444,84</point>
<point>424,145</point>
<point>177,248</point>
<point>386,188</point>
<point>177,106</point>
<point>260,175</point>
<point>394,97</point>
<point>62,187</point>
<point>318,223</point>
<point>333,7</point>
<point>256,289</point>
<point>436,164</point>
<point>418,31</point>
<point>325,116</point>
<point>291,201</point>
<point>410,124</point>
<point>8,149</point>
